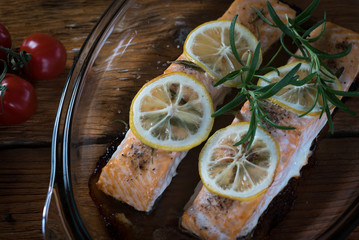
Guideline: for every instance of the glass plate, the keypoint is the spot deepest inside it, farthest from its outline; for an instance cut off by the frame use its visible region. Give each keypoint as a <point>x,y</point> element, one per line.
<point>131,44</point>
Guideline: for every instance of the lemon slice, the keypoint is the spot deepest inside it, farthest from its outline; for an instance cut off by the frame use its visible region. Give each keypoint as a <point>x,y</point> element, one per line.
<point>208,46</point>
<point>298,99</point>
<point>172,112</point>
<point>233,172</point>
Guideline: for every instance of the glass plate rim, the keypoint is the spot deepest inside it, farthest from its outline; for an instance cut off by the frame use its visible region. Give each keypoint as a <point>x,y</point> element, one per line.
<point>60,171</point>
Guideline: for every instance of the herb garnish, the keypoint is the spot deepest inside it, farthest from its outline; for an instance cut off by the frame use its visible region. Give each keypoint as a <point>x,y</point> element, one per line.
<point>248,89</point>
<point>249,74</point>
<point>322,74</point>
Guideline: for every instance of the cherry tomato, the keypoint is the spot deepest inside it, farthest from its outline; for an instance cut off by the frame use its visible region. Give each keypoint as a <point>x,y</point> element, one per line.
<point>19,102</point>
<point>5,41</point>
<point>48,56</point>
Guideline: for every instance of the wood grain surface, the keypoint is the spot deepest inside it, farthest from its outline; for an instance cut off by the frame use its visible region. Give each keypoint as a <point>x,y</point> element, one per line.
<point>25,149</point>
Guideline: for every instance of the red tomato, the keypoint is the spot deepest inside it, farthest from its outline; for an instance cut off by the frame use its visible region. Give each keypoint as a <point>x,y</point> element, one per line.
<point>19,101</point>
<point>48,56</point>
<point>5,40</point>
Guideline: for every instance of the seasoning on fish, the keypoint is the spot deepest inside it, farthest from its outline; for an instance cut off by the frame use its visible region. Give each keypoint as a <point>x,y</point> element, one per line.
<point>210,216</point>
<point>137,174</point>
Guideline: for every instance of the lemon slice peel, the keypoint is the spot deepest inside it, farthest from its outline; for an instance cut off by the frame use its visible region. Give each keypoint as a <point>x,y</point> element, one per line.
<point>172,112</point>
<point>235,172</point>
<point>209,46</point>
<point>299,99</point>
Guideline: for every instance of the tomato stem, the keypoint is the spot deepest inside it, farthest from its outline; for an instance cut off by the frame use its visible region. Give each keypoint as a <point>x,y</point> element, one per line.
<point>2,87</point>
<point>4,71</point>
<point>2,92</point>
<point>17,60</point>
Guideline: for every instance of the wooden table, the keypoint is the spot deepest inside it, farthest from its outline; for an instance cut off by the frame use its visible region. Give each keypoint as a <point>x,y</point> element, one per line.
<point>25,149</point>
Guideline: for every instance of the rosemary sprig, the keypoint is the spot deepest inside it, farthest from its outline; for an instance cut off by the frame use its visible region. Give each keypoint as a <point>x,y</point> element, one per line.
<point>322,74</point>
<point>248,89</point>
<point>256,95</point>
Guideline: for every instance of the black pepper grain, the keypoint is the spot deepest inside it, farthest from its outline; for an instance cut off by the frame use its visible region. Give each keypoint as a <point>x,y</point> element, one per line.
<point>343,45</point>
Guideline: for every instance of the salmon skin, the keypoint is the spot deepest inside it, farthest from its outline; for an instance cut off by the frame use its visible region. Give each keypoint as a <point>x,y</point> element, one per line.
<point>210,216</point>
<point>137,174</point>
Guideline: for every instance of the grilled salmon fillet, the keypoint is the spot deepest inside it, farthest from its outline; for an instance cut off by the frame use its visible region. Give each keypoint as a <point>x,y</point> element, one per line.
<point>136,174</point>
<point>210,216</point>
